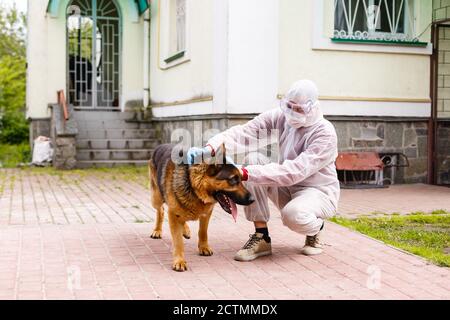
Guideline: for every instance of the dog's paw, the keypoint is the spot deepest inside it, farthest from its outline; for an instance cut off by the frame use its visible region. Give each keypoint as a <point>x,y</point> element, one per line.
<point>187,235</point>
<point>179,265</point>
<point>205,251</point>
<point>186,232</point>
<point>156,234</point>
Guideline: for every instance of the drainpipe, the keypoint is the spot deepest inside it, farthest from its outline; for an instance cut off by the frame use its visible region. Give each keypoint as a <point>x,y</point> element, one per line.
<point>146,58</point>
<point>433,92</point>
<point>432,126</point>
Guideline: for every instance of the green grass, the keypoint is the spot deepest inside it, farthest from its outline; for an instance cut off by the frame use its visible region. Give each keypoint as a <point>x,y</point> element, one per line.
<point>2,181</point>
<point>13,155</point>
<point>426,235</point>
<point>128,174</point>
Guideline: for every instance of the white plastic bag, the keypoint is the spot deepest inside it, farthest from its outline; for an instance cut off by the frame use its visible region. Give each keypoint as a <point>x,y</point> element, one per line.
<point>42,151</point>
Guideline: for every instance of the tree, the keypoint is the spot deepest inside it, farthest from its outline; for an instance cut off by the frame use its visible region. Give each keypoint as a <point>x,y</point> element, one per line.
<point>13,125</point>
<point>12,32</point>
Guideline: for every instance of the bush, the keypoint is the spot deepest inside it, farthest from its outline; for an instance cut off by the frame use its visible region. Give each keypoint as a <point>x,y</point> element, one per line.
<point>12,155</point>
<point>13,128</point>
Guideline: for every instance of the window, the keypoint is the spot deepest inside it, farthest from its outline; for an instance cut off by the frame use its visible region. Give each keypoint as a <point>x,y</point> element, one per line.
<point>379,20</point>
<point>177,26</point>
<point>174,36</point>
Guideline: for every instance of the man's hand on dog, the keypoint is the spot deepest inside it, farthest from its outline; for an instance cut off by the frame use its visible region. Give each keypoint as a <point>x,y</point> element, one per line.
<point>196,155</point>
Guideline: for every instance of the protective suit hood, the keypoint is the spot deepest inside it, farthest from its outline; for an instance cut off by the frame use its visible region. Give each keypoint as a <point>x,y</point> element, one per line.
<point>301,105</point>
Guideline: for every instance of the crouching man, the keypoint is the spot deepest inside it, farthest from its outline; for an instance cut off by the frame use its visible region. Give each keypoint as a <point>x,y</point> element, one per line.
<point>303,185</point>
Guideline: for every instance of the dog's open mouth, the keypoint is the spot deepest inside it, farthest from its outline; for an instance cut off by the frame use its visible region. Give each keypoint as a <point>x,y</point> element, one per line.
<point>227,204</point>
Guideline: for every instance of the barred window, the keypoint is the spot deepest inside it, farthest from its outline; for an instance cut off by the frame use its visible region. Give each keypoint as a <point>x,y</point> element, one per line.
<point>384,20</point>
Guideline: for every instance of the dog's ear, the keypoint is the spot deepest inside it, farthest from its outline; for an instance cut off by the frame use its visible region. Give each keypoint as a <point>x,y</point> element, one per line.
<point>213,169</point>
<point>220,155</point>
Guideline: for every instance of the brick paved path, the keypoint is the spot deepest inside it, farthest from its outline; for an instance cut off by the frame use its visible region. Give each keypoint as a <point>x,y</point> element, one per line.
<point>401,199</point>
<point>85,236</point>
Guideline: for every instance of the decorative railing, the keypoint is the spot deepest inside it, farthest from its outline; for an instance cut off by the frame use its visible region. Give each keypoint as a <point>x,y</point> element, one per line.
<point>375,20</point>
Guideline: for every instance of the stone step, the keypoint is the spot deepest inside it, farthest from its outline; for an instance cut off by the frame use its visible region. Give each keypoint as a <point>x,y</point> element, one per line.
<point>117,134</point>
<point>113,155</point>
<point>113,144</point>
<point>103,115</point>
<point>84,164</point>
<point>112,124</point>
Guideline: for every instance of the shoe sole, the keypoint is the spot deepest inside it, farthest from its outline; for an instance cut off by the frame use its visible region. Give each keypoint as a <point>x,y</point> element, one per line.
<point>253,257</point>
<point>311,254</point>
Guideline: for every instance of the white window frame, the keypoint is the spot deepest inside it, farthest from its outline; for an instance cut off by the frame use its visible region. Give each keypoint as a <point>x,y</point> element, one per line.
<point>165,36</point>
<point>321,38</point>
<point>409,26</point>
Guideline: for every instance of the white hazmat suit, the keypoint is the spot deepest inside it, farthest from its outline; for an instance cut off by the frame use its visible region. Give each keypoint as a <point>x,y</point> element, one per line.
<point>303,184</point>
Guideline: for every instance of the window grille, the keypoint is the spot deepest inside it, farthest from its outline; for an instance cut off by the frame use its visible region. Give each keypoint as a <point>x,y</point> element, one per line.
<point>382,20</point>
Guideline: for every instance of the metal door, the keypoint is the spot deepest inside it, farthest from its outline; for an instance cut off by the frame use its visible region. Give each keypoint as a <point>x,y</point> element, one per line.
<point>93,54</point>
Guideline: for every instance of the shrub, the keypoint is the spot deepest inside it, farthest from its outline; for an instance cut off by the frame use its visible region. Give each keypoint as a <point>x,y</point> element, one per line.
<point>13,128</point>
<point>12,155</point>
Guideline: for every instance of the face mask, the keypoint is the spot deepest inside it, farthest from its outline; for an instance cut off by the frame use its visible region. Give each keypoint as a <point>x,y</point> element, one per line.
<point>295,121</point>
<point>298,120</point>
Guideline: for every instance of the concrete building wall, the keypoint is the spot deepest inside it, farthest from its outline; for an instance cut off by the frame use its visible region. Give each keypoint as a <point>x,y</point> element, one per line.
<point>253,55</point>
<point>373,96</point>
<point>352,72</point>
<point>188,78</point>
<point>37,61</point>
<point>231,63</point>
<point>257,54</point>
<point>240,60</point>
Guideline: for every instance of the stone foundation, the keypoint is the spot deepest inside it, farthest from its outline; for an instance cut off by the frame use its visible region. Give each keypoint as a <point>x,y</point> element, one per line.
<point>65,153</point>
<point>63,134</point>
<point>408,137</point>
<point>39,127</point>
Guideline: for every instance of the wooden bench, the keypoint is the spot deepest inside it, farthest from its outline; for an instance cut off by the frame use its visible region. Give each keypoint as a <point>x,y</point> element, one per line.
<point>365,169</point>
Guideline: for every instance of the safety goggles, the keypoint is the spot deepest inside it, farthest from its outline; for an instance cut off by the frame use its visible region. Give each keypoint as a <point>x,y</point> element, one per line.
<point>287,105</point>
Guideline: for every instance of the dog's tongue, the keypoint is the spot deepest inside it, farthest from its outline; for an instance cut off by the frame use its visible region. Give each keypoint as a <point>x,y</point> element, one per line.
<point>233,210</point>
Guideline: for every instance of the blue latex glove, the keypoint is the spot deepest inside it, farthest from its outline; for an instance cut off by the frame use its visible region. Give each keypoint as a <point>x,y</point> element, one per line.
<point>196,155</point>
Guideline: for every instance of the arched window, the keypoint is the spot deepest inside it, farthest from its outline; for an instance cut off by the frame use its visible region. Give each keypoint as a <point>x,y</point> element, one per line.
<point>93,48</point>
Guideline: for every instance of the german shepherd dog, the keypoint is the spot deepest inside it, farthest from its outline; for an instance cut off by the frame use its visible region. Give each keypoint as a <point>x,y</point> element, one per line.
<point>190,192</point>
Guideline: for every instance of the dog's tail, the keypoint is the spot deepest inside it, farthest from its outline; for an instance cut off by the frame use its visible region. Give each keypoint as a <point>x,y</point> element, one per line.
<point>152,175</point>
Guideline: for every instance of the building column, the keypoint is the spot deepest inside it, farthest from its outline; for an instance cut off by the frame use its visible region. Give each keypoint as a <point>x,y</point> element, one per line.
<point>246,52</point>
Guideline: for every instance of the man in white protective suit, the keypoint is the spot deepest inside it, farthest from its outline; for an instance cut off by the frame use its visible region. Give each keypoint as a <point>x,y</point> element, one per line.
<point>303,185</point>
